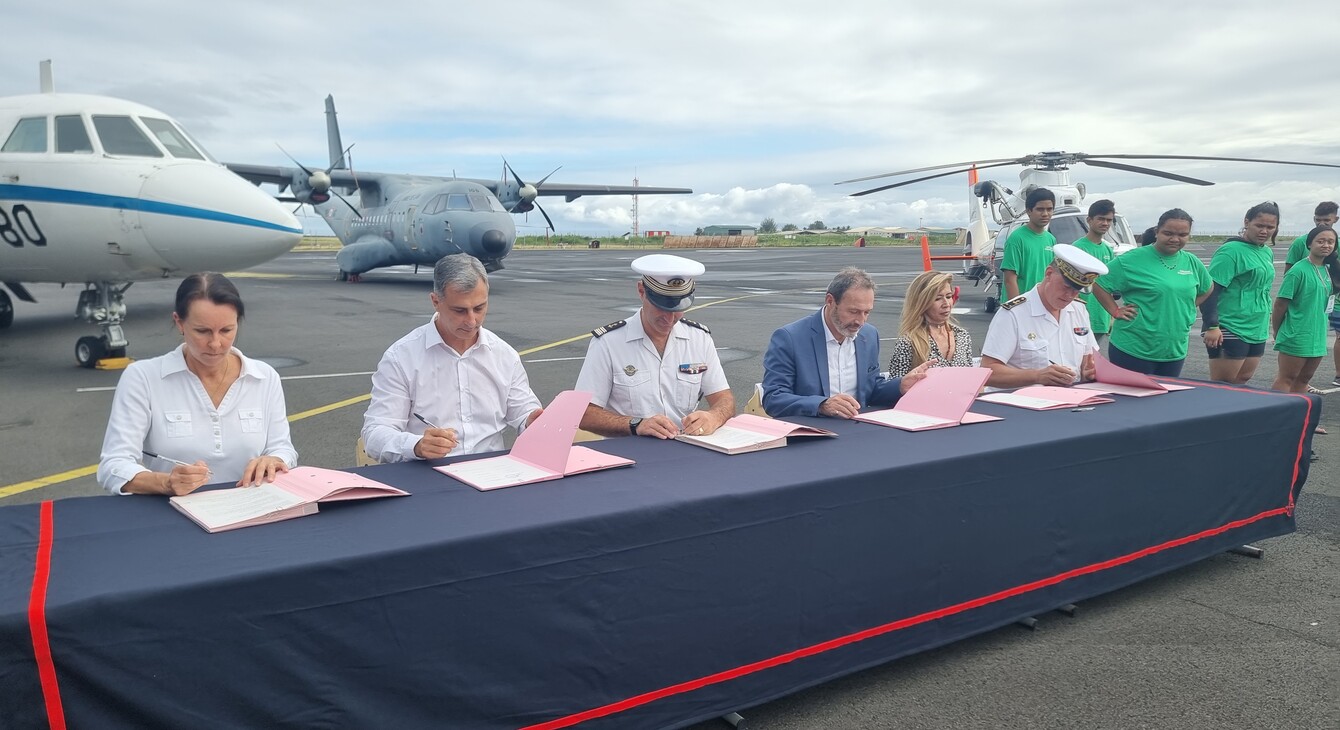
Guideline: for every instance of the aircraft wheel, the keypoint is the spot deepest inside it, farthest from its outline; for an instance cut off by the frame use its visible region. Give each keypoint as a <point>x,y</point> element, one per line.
<point>6,310</point>
<point>89,350</point>
<point>991,305</point>
<point>344,275</point>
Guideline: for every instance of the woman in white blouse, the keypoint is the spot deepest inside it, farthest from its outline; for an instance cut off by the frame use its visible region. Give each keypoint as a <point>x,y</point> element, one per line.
<point>200,414</point>
<point>928,330</point>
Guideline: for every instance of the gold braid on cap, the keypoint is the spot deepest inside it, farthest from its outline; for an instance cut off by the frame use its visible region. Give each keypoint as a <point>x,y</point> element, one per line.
<point>678,286</point>
<point>1069,271</point>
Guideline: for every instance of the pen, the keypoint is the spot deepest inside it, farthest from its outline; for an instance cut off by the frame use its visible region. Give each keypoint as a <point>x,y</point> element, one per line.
<point>426,422</point>
<point>170,460</point>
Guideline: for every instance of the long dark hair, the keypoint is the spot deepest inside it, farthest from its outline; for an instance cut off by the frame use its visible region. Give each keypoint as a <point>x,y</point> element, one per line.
<point>208,285</point>
<point>1269,207</point>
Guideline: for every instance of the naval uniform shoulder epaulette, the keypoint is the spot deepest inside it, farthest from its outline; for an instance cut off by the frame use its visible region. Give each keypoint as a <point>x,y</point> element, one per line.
<point>1014,302</point>
<point>699,325</point>
<point>608,328</point>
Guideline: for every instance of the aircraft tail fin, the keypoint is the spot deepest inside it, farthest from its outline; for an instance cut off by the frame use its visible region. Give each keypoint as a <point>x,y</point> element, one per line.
<point>337,161</point>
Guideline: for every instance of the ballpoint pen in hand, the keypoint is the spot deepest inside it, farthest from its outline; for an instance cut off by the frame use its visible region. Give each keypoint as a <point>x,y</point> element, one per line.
<point>171,460</point>
<point>425,421</point>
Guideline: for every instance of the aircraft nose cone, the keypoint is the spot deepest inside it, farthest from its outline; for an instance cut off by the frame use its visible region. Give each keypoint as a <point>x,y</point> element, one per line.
<point>200,216</point>
<point>494,242</point>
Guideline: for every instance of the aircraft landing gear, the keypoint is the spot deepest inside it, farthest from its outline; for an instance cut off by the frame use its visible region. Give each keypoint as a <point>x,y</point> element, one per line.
<point>6,309</point>
<point>101,304</point>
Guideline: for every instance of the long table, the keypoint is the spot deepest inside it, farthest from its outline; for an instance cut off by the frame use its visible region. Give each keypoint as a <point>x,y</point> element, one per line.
<point>685,587</point>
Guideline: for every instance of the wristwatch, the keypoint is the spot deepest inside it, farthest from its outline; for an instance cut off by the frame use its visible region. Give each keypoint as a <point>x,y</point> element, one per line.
<point>633,423</point>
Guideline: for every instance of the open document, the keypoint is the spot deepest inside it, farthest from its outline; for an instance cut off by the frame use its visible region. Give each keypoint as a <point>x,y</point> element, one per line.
<point>294,493</point>
<point>747,432</point>
<point>1047,397</point>
<point>939,400</point>
<point>1111,378</point>
<point>542,452</point>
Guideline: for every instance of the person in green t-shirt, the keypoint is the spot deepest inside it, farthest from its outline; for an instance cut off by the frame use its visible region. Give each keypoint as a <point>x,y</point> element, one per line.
<point>1298,318</point>
<point>1028,250</point>
<point>1102,214</point>
<point>1160,286</point>
<point>1236,315</point>
<point>1326,214</point>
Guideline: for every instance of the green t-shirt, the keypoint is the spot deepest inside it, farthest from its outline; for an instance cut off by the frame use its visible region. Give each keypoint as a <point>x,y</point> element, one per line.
<point>1028,255</point>
<point>1099,320</point>
<point>1163,291</point>
<point>1303,332</point>
<point>1297,251</point>
<point>1246,272</point>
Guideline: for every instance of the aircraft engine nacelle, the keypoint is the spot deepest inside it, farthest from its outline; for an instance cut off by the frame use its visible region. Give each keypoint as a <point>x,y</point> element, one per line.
<point>313,188</point>
<point>524,206</point>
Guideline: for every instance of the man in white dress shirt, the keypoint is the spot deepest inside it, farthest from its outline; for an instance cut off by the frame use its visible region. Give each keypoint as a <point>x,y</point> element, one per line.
<point>647,374</point>
<point>1042,337</point>
<point>459,377</point>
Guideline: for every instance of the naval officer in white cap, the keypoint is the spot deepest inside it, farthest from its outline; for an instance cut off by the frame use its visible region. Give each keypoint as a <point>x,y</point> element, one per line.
<point>1042,337</point>
<point>647,374</point>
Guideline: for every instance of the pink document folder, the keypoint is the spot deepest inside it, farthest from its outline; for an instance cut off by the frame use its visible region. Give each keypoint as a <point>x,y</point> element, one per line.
<point>542,452</point>
<point>940,400</point>
<point>1047,397</point>
<point>746,433</point>
<point>1111,378</point>
<point>294,493</point>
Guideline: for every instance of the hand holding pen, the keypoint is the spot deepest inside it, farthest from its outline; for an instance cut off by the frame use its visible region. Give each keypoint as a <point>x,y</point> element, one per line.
<point>184,478</point>
<point>436,442</point>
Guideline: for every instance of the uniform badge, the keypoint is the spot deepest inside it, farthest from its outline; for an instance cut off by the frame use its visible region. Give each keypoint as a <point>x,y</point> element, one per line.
<point>1032,336</point>
<point>693,368</point>
<point>629,370</point>
<point>1081,331</point>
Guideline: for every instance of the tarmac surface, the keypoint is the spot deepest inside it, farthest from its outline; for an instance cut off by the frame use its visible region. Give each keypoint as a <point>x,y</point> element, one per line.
<point>1228,642</point>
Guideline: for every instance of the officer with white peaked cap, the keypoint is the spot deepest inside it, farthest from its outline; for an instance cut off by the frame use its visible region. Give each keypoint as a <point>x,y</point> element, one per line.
<point>648,374</point>
<point>1042,337</point>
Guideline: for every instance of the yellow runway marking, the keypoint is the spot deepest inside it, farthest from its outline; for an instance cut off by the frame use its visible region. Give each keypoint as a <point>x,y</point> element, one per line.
<point>84,471</point>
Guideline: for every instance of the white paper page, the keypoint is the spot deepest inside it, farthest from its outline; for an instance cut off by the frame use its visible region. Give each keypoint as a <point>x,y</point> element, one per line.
<point>1121,389</point>
<point>496,472</point>
<point>729,437</point>
<point>1023,401</point>
<point>222,507</point>
<point>905,419</point>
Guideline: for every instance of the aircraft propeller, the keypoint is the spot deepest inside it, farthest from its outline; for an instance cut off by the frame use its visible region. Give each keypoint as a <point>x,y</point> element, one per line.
<point>1063,160</point>
<point>526,193</point>
<point>318,181</point>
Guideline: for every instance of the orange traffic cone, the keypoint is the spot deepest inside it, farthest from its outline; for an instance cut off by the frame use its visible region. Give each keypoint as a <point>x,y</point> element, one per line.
<point>925,253</point>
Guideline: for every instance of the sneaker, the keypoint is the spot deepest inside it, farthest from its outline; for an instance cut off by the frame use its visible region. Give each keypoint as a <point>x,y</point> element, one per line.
<point>1336,382</point>
<point>1315,391</point>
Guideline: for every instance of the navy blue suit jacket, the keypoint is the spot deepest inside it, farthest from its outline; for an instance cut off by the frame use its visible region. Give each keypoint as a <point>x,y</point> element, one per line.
<point>795,369</point>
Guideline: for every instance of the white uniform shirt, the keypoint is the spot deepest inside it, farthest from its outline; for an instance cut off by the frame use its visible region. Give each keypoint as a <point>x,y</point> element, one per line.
<point>1026,336</point>
<point>479,393</point>
<point>841,364</point>
<point>161,406</point>
<point>624,373</point>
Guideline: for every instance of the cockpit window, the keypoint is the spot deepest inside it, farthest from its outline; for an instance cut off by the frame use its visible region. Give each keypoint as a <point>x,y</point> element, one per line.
<point>1068,229</point>
<point>436,205</point>
<point>479,201</point>
<point>172,140</point>
<point>71,135</point>
<point>458,201</point>
<point>29,135</point>
<point>121,136</point>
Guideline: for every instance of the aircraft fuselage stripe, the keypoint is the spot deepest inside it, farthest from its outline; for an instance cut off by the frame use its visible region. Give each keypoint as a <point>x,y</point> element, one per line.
<point>100,200</point>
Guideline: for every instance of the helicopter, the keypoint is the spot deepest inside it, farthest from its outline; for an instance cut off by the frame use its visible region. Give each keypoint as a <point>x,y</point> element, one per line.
<point>983,251</point>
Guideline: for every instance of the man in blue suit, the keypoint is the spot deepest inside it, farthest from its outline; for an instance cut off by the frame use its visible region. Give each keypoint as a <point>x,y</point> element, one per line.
<point>827,364</point>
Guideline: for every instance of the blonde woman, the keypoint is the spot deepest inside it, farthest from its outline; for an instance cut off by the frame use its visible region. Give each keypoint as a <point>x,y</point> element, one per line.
<point>928,331</point>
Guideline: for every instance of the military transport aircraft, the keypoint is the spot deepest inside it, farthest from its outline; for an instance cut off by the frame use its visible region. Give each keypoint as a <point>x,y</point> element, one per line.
<point>418,219</point>
<point>982,251</point>
<point>106,192</point>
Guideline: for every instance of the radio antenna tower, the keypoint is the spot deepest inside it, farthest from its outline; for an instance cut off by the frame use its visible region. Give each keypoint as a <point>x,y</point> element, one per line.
<point>636,232</point>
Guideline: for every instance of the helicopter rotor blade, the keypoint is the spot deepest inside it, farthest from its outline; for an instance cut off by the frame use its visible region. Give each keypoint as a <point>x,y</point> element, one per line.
<point>1146,171</point>
<point>930,177</point>
<point>1010,160</point>
<point>1086,157</point>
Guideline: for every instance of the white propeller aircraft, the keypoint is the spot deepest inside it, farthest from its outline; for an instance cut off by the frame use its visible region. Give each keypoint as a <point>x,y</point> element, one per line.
<point>106,192</point>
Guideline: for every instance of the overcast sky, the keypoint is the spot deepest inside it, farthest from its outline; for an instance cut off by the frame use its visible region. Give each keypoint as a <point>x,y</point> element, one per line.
<point>758,106</point>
